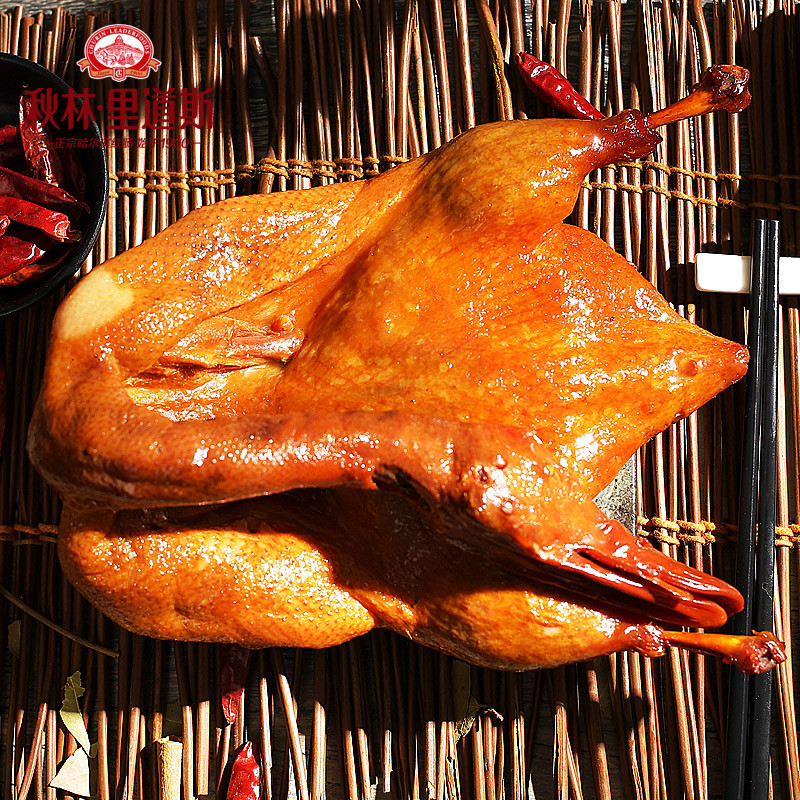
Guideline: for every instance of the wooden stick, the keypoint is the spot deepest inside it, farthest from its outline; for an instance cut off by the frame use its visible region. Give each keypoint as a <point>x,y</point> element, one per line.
<point>169,760</point>
<point>67,634</point>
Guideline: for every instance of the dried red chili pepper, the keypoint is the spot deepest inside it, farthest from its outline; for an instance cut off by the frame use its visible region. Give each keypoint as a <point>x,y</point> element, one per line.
<point>547,83</point>
<point>10,146</point>
<point>46,264</point>
<point>18,250</point>
<point>54,223</point>
<point>235,664</point>
<point>245,782</point>
<point>32,196</point>
<point>8,133</point>
<point>40,149</point>
<point>15,184</point>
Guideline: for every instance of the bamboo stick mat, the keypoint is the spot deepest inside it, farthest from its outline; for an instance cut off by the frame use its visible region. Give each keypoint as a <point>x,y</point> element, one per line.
<point>308,92</point>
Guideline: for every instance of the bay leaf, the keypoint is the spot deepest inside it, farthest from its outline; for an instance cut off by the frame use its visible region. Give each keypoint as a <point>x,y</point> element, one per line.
<point>71,712</point>
<point>461,689</point>
<point>15,637</point>
<point>172,721</point>
<point>73,775</point>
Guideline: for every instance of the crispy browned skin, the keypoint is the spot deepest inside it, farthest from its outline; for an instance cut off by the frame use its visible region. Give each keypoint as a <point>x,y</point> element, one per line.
<point>307,568</point>
<point>402,297</point>
<point>434,334</point>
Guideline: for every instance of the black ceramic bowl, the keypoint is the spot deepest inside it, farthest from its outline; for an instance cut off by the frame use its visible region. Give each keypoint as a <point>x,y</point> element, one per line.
<point>16,73</point>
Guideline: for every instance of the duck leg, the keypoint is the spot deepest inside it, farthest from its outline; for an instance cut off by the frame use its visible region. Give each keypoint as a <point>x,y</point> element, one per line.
<point>306,568</point>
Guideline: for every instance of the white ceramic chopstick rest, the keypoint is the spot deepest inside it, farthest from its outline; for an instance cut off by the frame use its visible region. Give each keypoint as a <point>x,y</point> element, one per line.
<point>719,272</point>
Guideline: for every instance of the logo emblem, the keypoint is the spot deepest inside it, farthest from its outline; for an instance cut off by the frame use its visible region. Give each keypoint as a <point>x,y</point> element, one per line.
<point>118,52</point>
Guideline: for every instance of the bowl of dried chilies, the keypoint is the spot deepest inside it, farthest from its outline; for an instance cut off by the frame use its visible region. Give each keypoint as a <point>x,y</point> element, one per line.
<point>53,183</point>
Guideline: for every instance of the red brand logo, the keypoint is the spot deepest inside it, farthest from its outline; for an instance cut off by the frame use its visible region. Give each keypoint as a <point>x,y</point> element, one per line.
<point>118,52</point>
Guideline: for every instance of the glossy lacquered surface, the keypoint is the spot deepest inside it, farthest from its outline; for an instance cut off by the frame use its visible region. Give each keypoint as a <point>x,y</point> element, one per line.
<point>399,394</point>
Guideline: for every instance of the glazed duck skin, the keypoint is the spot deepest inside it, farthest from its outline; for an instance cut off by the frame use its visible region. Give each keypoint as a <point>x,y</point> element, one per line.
<point>436,334</point>
<point>308,267</point>
<point>310,588</point>
<point>307,589</point>
<point>500,475</point>
<point>303,566</point>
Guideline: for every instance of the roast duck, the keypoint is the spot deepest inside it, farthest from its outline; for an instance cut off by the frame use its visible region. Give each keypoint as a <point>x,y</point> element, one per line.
<point>289,419</point>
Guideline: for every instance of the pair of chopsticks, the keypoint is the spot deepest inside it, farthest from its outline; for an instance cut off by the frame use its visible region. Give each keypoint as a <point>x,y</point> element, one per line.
<point>747,771</point>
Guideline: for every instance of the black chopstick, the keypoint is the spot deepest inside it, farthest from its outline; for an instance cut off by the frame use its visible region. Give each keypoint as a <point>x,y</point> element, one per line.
<point>764,589</point>
<point>749,706</point>
<point>739,687</point>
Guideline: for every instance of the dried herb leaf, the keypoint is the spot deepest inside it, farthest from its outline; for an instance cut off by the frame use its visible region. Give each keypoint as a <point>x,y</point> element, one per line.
<point>172,721</point>
<point>464,723</point>
<point>465,706</point>
<point>15,637</point>
<point>73,775</point>
<point>71,713</point>
<point>460,688</point>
